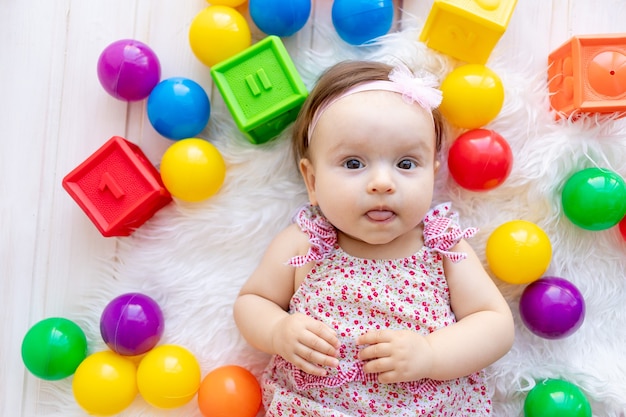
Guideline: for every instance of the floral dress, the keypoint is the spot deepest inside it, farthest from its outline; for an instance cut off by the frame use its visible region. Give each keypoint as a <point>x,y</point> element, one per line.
<point>354,295</point>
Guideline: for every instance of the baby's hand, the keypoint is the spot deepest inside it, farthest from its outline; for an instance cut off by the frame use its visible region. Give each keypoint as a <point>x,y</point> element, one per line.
<point>396,355</point>
<point>307,343</point>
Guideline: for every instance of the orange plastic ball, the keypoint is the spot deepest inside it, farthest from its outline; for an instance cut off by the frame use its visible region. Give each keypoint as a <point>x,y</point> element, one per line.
<point>229,391</point>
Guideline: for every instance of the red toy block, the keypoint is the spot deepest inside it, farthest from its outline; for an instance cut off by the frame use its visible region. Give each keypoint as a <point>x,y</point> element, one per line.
<point>117,187</point>
<point>587,74</point>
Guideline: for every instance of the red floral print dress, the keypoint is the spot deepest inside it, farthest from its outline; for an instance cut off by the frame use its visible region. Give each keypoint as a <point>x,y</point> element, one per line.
<point>354,295</point>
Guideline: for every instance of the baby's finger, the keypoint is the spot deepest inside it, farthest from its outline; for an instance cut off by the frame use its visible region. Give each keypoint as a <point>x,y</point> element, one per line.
<point>374,337</point>
<point>375,351</point>
<point>308,367</point>
<point>318,357</point>
<point>323,331</point>
<point>318,344</point>
<point>379,366</point>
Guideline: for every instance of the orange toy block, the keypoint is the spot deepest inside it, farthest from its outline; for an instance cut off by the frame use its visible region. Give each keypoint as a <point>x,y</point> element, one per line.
<point>117,187</point>
<point>467,30</point>
<point>587,74</point>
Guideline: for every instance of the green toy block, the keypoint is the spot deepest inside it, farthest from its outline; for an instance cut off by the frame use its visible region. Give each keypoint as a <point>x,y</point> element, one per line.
<point>262,89</point>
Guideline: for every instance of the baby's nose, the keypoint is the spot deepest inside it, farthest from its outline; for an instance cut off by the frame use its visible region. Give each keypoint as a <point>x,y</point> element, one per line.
<point>381,182</point>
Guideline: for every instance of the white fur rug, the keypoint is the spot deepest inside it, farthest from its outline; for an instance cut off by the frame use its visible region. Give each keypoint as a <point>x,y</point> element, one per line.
<point>193,258</point>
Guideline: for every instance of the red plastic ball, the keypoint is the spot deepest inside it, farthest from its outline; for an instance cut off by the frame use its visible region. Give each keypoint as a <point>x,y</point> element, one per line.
<point>229,391</point>
<point>480,160</point>
<point>622,228</point>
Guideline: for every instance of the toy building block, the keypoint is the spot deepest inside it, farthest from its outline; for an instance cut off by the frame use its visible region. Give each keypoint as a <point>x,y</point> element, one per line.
<point>587,74</point>
<point>262,89</point>
<point>117,187</point>
<point>467,30</point>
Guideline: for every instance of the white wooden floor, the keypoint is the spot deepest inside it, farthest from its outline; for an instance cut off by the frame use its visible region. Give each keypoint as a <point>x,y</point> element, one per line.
<point>54,114</point>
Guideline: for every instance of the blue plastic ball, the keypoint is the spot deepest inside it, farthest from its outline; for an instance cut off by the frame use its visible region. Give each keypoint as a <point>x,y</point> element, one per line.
<point>279,17</point>
<point>360,21</point>
<point>178,108</point>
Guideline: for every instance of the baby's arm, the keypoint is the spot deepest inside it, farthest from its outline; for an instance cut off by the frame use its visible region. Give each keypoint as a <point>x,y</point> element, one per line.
<point>483,332</point>
<point>261,310</point>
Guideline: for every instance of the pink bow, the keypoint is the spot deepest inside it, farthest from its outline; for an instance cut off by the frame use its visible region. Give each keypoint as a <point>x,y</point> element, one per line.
<point>421,88</point>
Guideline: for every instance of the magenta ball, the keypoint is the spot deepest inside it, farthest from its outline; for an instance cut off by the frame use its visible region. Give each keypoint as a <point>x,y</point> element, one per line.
<point>131,324</point>
<point>552,307</point>
<point>128,70</point>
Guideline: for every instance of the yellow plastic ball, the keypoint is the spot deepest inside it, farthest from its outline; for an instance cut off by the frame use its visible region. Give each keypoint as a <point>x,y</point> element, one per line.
<point>105,383</point>
<point>217,33</point>
<point>192,169</point>
<point>472,96</point>
<point>168,376</point>
<point>229,3</point>
<point>518,252</point>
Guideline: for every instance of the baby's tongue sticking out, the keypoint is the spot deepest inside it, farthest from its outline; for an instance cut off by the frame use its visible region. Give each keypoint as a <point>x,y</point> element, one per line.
<point>380,215</point>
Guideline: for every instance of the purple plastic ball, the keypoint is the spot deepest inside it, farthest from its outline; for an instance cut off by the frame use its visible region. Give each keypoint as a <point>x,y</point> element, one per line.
<point>128,70</point>
<point>552,307</point>
<point>131,324</point>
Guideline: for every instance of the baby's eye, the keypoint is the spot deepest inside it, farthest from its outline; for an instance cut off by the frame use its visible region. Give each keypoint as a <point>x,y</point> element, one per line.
<point>406,164</point>
<point>353,164</point>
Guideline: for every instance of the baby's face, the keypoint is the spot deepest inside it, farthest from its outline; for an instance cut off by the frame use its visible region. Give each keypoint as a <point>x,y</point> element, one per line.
<point>372,167</point>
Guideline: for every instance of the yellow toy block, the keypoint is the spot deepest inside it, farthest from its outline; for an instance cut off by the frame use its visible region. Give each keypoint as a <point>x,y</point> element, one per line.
<point>467,30</point>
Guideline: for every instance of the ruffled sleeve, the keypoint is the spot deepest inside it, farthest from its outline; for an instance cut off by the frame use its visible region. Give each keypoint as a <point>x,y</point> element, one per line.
<point>442,232</point>
<point>322,235</point>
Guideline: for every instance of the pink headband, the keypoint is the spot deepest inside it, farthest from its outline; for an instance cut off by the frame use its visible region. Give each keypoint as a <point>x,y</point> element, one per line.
<point>421,90</point>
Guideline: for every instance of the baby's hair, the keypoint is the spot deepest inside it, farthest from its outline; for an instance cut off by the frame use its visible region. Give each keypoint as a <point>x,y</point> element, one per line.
<point>334,82</point>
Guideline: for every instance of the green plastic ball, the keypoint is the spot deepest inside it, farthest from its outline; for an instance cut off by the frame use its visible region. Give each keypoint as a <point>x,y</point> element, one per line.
<point>53,348</point>
<point>594,198</point>
<point>556,398</point>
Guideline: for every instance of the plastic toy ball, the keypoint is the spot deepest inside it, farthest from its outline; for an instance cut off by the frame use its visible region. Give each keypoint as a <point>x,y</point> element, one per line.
<point>556,398</point>
<point>229,391</point>
<point>622,228</point>
<point>128,70</point>
<point>361,21</point>
<point>178,108</point>
<point>168,376</point>
<point>131,324</point>
<point>472,96</point>
<point>229,3</point>
<point>480,160</point>
<point>518,252</point>
<point>218,32</point>
<point>279,17</point>
<point>594,198</point>
<point>192,169</point>
<point>105,383</point>
<point>53,348</point>
<point>552,308</point>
